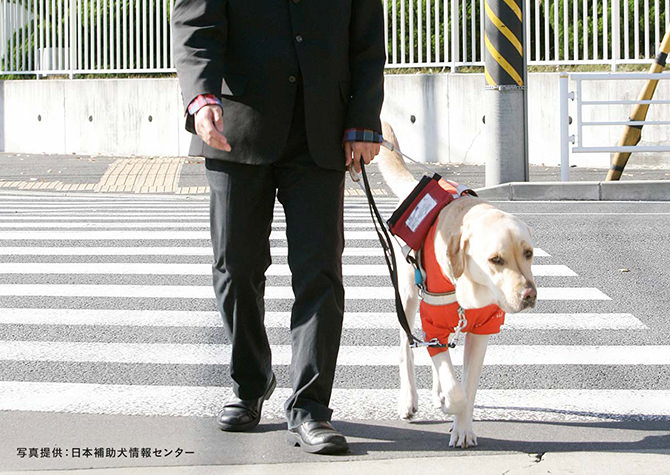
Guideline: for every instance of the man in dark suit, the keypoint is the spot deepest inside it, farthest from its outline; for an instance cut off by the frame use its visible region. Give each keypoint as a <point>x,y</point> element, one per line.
<point>283,96</point>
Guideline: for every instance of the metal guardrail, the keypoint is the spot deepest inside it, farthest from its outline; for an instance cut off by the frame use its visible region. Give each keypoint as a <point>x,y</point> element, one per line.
<point>449,33</point>
<point>577,95</point>
<point>85,36</point>
<point>133,36</point>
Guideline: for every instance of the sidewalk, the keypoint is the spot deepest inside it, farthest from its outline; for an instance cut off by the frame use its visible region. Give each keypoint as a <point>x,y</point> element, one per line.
<point>612,463</point>
<point>186,175</point>
<point>376,446</point>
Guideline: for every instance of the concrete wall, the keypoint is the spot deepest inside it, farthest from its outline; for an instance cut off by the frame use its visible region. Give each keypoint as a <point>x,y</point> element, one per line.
<point>438,118</point>
<point>99,116</point>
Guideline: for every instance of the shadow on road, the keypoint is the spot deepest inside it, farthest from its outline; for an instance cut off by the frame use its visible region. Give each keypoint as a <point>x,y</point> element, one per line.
<point>516,436</point>
<point>369,440</point>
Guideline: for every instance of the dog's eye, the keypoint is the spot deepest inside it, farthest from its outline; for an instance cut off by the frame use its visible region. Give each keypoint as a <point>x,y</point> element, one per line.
<point>528,254</point>
<point>497,260</point>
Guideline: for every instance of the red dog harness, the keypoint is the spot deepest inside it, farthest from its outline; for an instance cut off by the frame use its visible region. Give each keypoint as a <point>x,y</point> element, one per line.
<point>440,320</point>
<point>441,315</point>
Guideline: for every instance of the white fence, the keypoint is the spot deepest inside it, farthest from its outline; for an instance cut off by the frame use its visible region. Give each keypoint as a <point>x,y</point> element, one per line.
<point>85,36</point>
<point>588,118</point>
<point>133,36</point>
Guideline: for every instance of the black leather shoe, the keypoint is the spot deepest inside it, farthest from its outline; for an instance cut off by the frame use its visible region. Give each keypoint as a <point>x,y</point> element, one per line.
<point>317,438</point>
<point>239,415</point>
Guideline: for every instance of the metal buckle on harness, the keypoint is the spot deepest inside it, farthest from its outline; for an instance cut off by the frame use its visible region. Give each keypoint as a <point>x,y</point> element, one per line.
<point>419,273</point>
<point>462,323</point>
<point>434,343</point>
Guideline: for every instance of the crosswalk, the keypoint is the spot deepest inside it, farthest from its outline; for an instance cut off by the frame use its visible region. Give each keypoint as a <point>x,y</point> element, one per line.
<point>106,307</point>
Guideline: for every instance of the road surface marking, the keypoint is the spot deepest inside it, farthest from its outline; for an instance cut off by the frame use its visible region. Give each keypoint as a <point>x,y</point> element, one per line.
<point>137,268</point>
<point>199,354</point>
<point>352,404</point>
<point>352,320</point>
<point>272,292</point>
<point>592,214</point>
<point>144,235</point>
<point>140,225</point>
<point>162,250</point>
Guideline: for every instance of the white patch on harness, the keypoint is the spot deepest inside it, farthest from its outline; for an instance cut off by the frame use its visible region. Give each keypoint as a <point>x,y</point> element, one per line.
<point>421,210</point>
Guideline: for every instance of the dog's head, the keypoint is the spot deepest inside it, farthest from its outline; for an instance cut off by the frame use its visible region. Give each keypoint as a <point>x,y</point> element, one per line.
<point>490,257</point>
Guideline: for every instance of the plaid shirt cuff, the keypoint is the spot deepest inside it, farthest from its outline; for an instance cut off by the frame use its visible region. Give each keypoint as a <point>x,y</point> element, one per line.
<point>362,135</point>
<point>203,100</point>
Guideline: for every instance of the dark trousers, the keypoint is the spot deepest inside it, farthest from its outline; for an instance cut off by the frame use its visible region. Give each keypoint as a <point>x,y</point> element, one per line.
<point>241,208</point>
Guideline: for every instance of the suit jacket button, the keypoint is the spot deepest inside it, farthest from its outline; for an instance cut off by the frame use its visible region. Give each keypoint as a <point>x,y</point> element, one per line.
<point>298,38</point>
<point>291,78</point>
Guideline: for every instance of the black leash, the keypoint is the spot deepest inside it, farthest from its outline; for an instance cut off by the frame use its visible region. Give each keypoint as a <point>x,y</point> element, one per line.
<point>391,263</point>
<point>389,256</point>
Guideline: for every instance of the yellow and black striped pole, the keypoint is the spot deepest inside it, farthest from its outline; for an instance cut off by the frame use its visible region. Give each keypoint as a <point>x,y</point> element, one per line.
<point>633,133</point>
<point>505,72</point>
<point>503,38</point>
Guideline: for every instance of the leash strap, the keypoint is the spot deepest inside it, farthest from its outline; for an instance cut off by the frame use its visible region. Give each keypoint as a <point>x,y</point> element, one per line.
<point>389,257</point>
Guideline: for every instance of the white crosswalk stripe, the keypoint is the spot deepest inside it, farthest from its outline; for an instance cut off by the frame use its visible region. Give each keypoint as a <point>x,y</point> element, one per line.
<point>169,251</point>
<point>190,354</point>
<point>65,239</point>
<point>274,292</point>
<point>144,235</point>
<point>204,269</point>
<point>352,320</point>
<point>150,225</point>
<point>366,404</point>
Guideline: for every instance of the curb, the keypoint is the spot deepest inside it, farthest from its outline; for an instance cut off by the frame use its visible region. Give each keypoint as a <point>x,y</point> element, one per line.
<point>642,190</point>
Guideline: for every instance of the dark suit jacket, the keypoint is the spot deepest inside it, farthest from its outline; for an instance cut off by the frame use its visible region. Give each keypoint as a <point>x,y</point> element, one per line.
<point>250,52</point>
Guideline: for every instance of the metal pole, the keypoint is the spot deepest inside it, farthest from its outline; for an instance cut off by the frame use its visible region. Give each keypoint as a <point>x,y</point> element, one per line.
<point>564,133</point>
<point>505,81</point>
<point>616,33</point>
<point>525,26</point>
<point>73,38</point>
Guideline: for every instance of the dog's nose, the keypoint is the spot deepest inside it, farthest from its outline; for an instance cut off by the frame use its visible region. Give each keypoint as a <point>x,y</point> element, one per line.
<point>529,297</point>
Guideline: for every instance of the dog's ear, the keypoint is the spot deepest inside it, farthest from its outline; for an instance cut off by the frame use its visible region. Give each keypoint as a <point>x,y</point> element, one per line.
<point>456,252</point>
<point>450,249</point>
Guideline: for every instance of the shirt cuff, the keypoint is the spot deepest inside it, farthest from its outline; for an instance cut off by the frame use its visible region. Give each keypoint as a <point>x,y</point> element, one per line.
<point>203,100</point>
<point>362,135</point>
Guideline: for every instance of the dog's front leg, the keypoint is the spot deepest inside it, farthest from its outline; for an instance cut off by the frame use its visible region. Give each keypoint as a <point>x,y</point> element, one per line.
<point>462,434</point>
<point>450,393</point>
<point>408,400</point>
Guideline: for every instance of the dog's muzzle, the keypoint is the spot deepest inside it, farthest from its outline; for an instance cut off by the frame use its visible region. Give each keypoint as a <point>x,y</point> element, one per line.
<point>529,297</point>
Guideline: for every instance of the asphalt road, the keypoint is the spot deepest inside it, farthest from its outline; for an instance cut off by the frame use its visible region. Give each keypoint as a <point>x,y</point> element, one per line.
<point>113,342</point>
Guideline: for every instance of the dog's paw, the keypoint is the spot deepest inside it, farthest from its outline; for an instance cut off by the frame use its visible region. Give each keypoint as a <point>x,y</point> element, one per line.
<point>453,401</point>
<point>462,436</point>
<point>408,404</point>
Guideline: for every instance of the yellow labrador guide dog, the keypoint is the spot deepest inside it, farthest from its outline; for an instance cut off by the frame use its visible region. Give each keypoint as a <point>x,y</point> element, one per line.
<point>487,254</point>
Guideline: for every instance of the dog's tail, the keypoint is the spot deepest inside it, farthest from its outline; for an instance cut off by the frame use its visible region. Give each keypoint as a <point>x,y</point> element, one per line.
<point>392,166</point>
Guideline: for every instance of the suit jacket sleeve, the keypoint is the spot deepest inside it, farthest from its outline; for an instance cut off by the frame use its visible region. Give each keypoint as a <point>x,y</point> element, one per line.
<point>199,29</point>
<point>367,55</point>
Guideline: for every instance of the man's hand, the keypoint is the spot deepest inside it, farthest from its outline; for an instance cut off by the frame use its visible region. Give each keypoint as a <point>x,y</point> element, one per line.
<point>354,151</point>
<point>209,127</point>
